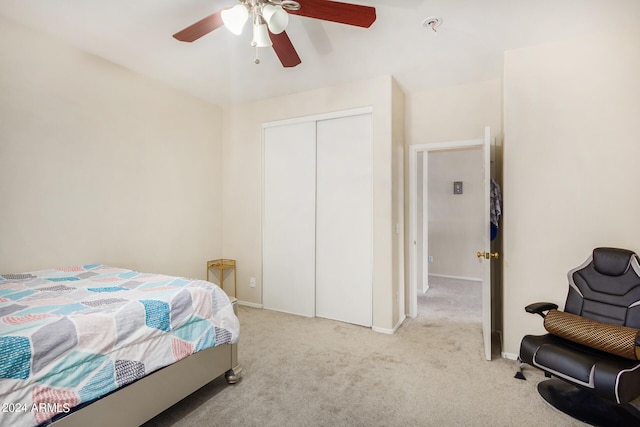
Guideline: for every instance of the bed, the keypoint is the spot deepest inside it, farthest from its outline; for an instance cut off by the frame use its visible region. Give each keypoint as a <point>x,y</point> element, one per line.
<point>99,345</point>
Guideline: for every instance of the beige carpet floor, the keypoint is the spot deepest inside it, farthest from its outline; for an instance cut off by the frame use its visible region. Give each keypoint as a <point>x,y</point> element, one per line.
<point>316,372</point>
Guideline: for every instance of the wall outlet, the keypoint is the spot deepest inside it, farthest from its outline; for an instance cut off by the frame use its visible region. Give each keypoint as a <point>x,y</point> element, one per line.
<point>430,258</point>
<point>252,282</point>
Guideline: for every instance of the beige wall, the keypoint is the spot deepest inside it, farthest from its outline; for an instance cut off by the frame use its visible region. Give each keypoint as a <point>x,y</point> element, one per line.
<point>454,113</point>
<point>100,165</point>
<point>456,221</point>
<point>397,202</point>
<point>571,150</point>
<point>242,201</point>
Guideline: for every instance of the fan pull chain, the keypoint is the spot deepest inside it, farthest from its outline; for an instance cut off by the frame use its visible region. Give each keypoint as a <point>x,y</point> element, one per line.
<point>256,60</point>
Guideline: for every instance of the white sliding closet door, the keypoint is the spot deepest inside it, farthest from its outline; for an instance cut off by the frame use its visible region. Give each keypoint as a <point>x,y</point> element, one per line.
<point>288,271</point>
<point>344,216</point>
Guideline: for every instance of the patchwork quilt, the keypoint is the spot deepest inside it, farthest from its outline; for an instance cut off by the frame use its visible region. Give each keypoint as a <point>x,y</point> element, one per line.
<point>71,335</point>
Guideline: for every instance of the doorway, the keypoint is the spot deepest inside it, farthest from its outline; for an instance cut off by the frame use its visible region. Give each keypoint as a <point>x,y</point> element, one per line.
<point>454,220</point>
<point>483,251</point>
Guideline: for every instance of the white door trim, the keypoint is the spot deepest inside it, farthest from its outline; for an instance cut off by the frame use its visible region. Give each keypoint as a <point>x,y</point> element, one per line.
<point>319,117</point>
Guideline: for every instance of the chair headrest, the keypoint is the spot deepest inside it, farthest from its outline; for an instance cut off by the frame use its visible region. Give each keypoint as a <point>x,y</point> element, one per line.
<point>612,261</point>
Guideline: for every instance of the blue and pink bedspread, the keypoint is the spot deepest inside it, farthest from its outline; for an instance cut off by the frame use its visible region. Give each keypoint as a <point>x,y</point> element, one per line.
<point>71,335</point>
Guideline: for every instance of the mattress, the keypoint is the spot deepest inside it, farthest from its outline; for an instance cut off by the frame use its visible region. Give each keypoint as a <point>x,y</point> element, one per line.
<point>71,335</point>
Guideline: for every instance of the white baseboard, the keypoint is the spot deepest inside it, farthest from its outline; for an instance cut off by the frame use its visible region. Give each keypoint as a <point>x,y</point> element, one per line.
<point>446,276</point>
<point>421,291</point>
<point>250,304</point>
<point>373,328</point>
<point>389,331</point>
<point>510,356</point>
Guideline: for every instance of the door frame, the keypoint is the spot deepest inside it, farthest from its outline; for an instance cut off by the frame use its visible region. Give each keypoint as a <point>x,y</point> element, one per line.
<point>413,220</point>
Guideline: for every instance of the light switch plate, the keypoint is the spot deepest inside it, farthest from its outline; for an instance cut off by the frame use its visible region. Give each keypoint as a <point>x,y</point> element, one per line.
<point>457,187</point>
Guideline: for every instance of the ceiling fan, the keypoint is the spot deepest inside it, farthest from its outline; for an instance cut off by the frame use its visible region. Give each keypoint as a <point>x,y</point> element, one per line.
<point>270,19</point>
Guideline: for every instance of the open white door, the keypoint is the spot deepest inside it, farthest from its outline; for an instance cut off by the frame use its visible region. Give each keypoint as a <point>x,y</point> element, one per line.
<point>485,254</point>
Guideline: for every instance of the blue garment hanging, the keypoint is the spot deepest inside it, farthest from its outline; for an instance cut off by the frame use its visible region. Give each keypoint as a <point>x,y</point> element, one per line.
<point>496,207</point>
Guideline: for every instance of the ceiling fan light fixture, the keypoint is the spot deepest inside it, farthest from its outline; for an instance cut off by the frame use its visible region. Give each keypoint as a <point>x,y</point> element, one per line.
<point>261,34</point>
<point>290,5</point>
<point>235,18</point>
<point>276,17</point>
<point>276,13</point>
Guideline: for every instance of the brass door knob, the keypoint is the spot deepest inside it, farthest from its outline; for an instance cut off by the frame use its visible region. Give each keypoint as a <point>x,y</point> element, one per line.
<point>488,255</point>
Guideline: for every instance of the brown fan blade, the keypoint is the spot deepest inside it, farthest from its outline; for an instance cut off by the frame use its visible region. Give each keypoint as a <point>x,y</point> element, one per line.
<point>200,28</point>
<point>343,13</point>
<point>284,49</point>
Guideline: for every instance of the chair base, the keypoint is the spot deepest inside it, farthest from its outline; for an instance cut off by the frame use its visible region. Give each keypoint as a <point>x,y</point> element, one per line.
<point>585,406</point>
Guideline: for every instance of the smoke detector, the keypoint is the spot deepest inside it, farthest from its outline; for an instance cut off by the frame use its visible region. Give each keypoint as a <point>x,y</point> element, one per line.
<point>432,23</point>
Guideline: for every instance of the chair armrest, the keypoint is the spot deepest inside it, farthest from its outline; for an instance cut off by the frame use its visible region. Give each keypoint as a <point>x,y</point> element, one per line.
<point>540,307</point>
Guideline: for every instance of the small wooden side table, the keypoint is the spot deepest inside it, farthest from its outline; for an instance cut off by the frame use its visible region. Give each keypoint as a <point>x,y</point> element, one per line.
<point>222,264</point>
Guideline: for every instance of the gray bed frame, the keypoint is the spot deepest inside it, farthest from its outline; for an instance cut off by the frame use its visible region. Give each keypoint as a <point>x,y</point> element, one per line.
<point>142,400</point>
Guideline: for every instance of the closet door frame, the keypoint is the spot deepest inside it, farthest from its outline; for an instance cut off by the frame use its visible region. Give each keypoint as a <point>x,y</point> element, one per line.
<point>315,118</point>
<point>311,118</point>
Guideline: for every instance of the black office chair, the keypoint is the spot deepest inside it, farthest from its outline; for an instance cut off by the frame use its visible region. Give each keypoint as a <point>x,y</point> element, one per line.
<point>593,346</point>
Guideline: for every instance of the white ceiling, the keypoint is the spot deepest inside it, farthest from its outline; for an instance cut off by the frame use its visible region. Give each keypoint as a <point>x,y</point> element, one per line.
<point>468,46</point>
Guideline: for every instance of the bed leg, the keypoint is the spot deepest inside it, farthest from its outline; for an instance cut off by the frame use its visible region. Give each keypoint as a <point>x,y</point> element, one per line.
<point>233,375</point>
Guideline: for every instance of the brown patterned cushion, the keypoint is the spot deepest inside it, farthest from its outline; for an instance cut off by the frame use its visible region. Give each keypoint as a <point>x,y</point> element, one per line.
<point>614,339</point>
